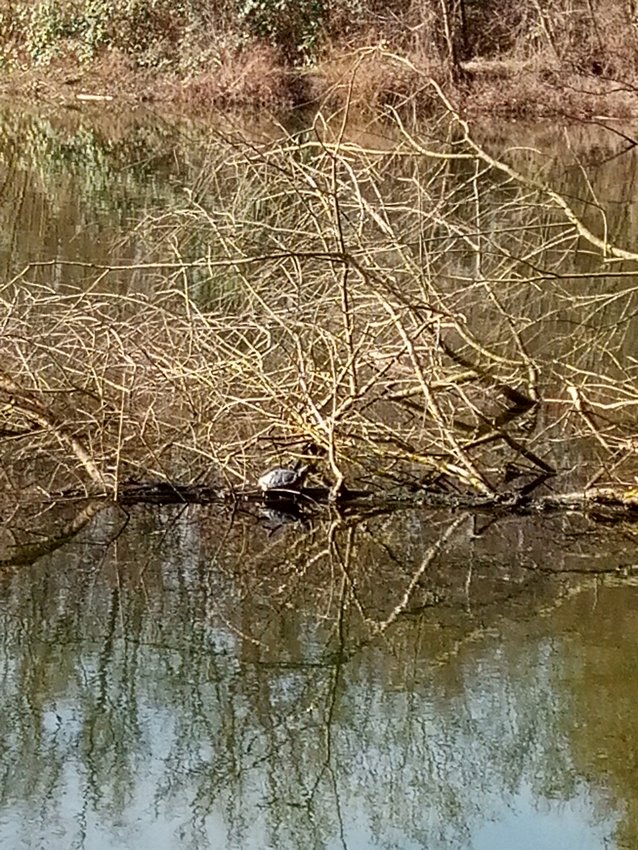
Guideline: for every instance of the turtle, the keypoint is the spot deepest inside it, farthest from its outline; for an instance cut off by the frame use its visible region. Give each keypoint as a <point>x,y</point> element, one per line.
<point>284,477</point>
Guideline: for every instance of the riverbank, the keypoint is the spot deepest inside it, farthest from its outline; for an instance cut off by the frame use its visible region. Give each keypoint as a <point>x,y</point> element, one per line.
<point>369,79</point>
<point>513,59</point>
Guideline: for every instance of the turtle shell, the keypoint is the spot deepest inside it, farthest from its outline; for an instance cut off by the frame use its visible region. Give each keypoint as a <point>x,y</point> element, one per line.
<point>282,478</point>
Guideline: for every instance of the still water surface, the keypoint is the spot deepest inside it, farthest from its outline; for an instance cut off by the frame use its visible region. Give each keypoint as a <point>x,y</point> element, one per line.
<point>186,678</point>
<point>190,679</point>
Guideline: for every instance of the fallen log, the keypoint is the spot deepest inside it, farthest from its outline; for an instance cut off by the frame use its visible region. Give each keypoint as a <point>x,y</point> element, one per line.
<point>610,501</point>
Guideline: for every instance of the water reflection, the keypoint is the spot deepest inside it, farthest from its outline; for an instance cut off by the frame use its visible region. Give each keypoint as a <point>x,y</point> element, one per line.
<point>77,183</point>
<point>187,679</point>
<point>194,678</point>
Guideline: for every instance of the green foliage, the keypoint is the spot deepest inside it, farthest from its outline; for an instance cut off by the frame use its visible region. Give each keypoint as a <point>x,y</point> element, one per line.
<point>46,23</point>
<point>136,27</point>
<point>93,27</point>
<point>291,26</point>
<point>149,30</point>
<point>153,32</point>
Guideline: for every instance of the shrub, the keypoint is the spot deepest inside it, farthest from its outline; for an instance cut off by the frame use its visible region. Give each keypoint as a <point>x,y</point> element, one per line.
<point>291,26</point>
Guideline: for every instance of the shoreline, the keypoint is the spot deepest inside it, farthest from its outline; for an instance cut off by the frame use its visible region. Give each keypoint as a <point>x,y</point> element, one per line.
<point>367,80</point>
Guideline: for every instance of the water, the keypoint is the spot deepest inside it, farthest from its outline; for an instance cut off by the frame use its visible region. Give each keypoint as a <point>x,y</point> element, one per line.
<point>159,686</point>
<point>74,186</point>
<point>194,678</point>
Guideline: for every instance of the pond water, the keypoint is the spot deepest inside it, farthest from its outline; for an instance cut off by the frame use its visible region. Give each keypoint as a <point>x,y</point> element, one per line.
<point>193,678</point>
<point>203,677</point>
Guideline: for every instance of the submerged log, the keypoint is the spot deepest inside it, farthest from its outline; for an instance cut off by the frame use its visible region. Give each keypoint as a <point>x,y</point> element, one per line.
<point>611,502</point>
<point>166,493</point>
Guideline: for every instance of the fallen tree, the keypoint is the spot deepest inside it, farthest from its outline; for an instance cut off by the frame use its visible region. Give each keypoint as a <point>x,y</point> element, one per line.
<point>414,317</point>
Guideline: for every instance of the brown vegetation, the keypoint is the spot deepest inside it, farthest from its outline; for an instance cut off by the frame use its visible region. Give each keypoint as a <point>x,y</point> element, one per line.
<point>567,57</point>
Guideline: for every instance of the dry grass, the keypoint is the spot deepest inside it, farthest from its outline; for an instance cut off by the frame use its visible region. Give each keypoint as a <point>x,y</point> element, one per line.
<point>370,82</point>
<point>241,78</point>
<point>371,79</point>
<point>111,73</point>
<point>532,90</point>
